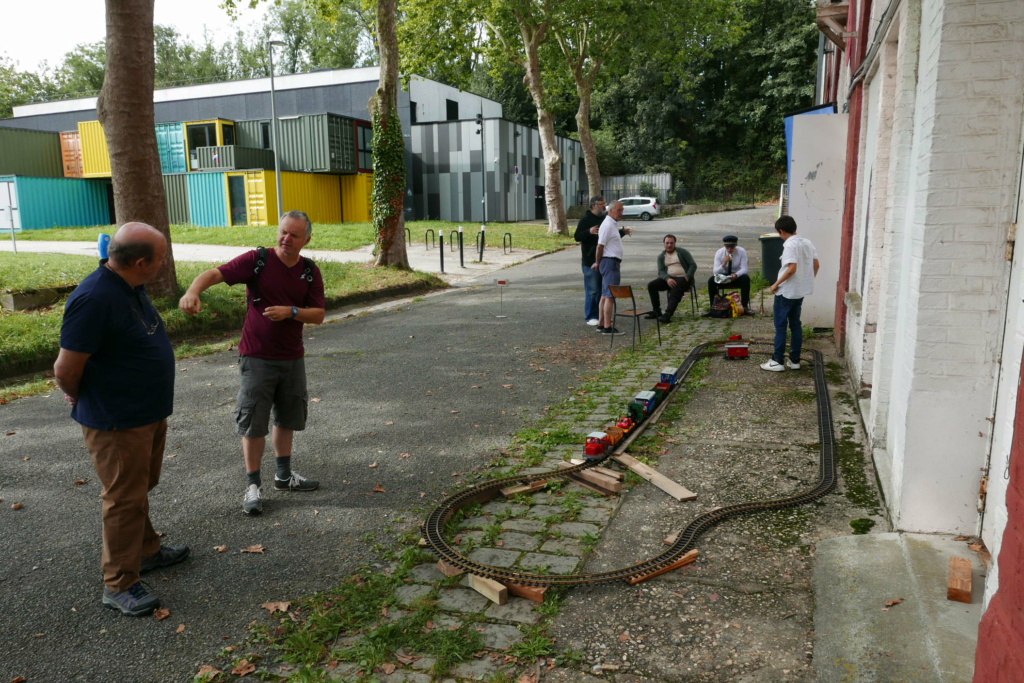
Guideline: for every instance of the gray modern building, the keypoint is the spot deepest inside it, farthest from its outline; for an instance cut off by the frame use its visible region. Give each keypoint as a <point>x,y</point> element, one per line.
<point>448,163</point>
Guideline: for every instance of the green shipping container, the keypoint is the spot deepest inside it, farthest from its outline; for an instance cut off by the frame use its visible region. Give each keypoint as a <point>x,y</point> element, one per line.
<point>176,189</point>
<point>251,133</point>
<point>320,143</point>
<point>30,153</point>
<point>170,140</point>
<point>233,158</point>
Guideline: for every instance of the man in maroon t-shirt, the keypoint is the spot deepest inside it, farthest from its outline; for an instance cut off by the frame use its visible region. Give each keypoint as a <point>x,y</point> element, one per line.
<point>287,292</point>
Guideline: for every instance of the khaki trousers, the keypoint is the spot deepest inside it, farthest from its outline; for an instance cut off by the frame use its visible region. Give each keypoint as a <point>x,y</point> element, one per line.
<point>127,462</point>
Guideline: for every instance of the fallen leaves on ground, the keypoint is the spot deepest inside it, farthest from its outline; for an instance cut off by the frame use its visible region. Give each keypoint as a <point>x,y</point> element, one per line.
<point>161,614</point>
<point>388,668</point>
<point>331,665</point>
<point>26,459</point>
<point>276,606</point>
<point>403,456</point>
<point>180,629</point>
<point>890,603</point>
<point>455,412</point>
<point>17,506</point>
<point>527,678</point>
<point>11,433</point>
<point>406,659</point>
<point>372,465</point>
<point>316,400</point>
<point>80,482</point>
<point>206,672</point>
<point>390,422</point>
<point>244,668</point>
<point>507,386</point>
<point>379,489</point>
<point>220,548</point>
<point>255,549</point>
<point>19,679</point>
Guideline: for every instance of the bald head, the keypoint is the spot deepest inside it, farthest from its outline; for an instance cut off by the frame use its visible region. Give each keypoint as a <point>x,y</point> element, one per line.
<point>615,209</point>
<point>137,252</point>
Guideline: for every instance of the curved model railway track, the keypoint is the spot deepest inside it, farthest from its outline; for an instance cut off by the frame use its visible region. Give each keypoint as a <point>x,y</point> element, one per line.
<point>433,527</point>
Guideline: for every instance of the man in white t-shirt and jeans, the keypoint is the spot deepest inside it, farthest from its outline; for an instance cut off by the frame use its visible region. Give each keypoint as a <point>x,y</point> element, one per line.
<point>795,281</point>
<point>608,262</point>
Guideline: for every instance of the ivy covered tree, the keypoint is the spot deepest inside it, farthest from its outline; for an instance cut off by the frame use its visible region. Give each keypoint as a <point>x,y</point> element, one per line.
<point>388,146</point>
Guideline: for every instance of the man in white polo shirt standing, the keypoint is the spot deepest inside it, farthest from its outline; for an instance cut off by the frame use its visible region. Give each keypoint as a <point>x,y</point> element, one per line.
<point>608,262</point>
<point>795,281</point>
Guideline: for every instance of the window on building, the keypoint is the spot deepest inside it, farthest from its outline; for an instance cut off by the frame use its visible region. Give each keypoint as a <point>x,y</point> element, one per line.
<point>265,134</point>
<point>451,110</point>
<point>364,141</point>
<point>228,132</point>
<point>412,112</point>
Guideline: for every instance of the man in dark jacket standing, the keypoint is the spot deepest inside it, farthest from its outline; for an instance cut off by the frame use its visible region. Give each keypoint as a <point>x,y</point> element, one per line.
<point>676,269</point>
<point>116,369</point>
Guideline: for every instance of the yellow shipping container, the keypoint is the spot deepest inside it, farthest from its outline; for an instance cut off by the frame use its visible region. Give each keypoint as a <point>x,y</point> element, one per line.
<point>95,157</point>
<point>356,198</point>
<point>252,196</point>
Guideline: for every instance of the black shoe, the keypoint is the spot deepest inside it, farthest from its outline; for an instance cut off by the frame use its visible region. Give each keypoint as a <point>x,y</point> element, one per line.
<point>296,482</point>
<point>652,315</point>
<point>612,330</point>
<point>167,556</point>
<point>665,319</point>
<point>600,329</point>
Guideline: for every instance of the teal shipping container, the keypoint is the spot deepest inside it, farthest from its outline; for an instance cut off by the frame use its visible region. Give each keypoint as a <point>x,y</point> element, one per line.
<point>176,190</point>
<point>234,158</point>
<point>170,140</point>
<point>208,200</point>
<point>30,203</point>
<point>30,153</point>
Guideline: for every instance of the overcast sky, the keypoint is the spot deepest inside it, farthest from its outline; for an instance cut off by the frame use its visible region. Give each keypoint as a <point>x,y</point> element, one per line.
<point>37,30</point>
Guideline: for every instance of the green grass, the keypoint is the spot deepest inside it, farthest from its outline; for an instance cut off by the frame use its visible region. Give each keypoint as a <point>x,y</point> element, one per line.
<point>332,236</point>
<point>30,338</point>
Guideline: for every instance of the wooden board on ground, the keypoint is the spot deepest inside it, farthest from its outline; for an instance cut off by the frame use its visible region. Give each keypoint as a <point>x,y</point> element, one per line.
<point>670,487</point>
<point>671,538</point>
<point>960,580</point>
<point>615,474</point>
<point>605,483</point>
<point>511,491</point>
<point>489,588</point>
<point>449,569</point>
<point>686,559</point>
<point>534,593</point>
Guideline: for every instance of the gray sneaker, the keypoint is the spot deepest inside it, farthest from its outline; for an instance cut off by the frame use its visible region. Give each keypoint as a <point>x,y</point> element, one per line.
<point>135,602</point>
<point>296,482</point>
<point>252,504</point>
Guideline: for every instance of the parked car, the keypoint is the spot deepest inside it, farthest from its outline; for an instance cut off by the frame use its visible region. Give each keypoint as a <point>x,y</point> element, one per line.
<point>644,207</point>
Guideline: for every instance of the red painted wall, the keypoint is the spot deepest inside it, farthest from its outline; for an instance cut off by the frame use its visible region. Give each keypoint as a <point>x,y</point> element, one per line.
<point>1000,654</point>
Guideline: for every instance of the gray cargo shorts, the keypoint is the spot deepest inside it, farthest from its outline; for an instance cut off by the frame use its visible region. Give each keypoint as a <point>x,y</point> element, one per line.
<point>266,384</point>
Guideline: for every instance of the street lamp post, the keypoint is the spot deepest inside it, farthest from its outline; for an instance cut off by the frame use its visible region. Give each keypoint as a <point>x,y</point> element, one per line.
<point>273,127</point>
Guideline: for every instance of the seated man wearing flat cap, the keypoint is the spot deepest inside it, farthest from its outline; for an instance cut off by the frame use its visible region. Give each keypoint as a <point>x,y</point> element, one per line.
<point>731,268</point>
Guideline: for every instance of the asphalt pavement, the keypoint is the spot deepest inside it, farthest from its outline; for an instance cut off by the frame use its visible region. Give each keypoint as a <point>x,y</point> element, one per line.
<point>406,398</point>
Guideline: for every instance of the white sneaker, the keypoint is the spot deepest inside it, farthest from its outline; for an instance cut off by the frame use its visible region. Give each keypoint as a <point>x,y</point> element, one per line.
<point>793,366</point>
<point>772,366</point>
<point>592,322</point>
<point>252,504</point>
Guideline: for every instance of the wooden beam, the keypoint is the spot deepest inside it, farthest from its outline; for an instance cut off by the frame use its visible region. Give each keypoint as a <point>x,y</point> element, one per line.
<point>603,484</point>
<point>534,593</point>
<point>489,588</point>
<point>600,469</point>
<point>449,569</point>
<point>686,559</point>
<point>512,491</point>
<point>671,538</point>
<point>670,487</point>
<point>960,579</point>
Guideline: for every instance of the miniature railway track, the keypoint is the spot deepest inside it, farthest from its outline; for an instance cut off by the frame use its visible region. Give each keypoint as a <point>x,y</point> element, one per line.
<point>433,527</point>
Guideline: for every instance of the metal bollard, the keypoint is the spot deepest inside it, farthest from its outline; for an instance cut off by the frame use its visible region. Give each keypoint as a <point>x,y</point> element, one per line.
<point>440,236</point>
<point>481,241</point>
<point>462,251</point>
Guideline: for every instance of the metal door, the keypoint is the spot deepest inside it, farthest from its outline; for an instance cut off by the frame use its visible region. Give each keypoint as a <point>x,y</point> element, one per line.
<point>10,217</point>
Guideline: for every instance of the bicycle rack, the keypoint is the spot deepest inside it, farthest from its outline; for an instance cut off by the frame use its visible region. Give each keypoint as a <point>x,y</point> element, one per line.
<point>408,236</point>
<point>429,236</point>
<point>506,238</point>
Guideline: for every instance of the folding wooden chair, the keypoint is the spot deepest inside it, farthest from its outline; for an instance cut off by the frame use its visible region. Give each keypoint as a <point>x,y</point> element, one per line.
<point>626,292</point>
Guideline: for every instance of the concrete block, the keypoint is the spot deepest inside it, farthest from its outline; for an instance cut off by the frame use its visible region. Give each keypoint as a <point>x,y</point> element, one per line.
<point>24,299</point>
<point>458,599</point>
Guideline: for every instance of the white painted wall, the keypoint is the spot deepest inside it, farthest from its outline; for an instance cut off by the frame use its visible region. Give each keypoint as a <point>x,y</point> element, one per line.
<point>430,97</point>
<point>816,189</point>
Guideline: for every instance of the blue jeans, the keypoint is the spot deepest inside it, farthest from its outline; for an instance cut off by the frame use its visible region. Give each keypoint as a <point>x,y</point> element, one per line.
<point>591,293</point>
<point>787,314</point>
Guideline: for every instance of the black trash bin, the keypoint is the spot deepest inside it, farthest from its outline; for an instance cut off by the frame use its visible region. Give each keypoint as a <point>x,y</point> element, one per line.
<point>771,256</point>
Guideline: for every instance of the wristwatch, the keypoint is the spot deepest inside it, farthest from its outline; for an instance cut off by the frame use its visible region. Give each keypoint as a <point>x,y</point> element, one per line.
<point>295,312</point>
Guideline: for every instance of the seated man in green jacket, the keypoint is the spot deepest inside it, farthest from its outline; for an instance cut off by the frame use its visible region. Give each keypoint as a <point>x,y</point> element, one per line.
<point>676,270</point>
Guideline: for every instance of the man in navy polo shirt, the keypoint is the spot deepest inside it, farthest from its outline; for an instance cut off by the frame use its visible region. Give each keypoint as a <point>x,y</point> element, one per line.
<point>285,291</point>
<point>116,368</point>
